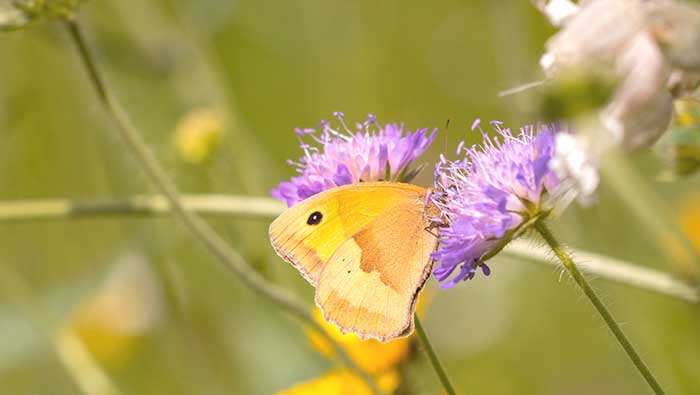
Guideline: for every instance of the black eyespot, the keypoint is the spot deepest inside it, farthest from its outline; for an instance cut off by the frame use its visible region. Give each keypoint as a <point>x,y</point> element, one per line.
<point>314,218</point>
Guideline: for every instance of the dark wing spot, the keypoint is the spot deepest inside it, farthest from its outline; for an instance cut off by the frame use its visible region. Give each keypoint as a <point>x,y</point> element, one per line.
<point>314,218</point>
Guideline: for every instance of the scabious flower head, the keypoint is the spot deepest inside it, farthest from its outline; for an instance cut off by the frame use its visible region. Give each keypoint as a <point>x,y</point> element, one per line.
<point>490,196</point>
<point>371,153</point>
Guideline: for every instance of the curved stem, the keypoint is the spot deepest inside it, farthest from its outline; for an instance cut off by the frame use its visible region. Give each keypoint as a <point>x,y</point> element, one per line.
<point>600,307</point>
<point>434,360</point>
<point>194,224</point>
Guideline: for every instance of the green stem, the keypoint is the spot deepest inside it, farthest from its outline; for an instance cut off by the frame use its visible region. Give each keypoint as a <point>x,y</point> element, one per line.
<point>434,360</point>
<point>62,209</point>
<point>614,270</point>
<point>40,210</point>
<point>602,310</point>
<point>194,224</point>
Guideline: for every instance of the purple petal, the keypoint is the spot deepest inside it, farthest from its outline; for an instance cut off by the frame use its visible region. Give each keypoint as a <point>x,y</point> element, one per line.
<point>340,156</point>
<point>474,195</point>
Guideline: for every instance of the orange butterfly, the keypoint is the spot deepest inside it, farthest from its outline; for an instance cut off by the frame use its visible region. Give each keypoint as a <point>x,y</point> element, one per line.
<point>366,248</point>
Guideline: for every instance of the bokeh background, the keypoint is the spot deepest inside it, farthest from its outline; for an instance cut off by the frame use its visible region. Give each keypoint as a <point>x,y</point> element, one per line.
<point>159,315</point>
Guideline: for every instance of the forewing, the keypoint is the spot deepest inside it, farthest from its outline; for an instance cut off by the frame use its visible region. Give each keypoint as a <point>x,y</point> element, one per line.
<point>345,210</point>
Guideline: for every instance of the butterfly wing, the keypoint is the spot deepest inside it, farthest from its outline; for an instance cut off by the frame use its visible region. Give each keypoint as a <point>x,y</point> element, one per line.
<point>344,211</point>
<point>368,256</point>
<point>371,283</point>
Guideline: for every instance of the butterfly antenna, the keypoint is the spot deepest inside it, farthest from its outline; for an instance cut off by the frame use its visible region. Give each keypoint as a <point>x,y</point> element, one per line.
<point>521,88</point>
<point>447,126</point>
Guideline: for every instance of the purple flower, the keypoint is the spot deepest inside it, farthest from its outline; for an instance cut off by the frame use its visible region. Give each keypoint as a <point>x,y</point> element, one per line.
<point>490,196</point>
<point>371,153</point>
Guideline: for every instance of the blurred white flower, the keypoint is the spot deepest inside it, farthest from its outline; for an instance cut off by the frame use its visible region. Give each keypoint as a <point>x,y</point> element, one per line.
<point>575,162</point>
<point>595,34</point>
<point>635,127</point>
<point>675,26</point>
<point>684,84</point>
<point>647,44</point>
<point>557,10</point>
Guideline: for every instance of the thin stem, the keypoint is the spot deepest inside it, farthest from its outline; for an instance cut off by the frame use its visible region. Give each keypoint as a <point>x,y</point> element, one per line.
<point>434,360</point>
<point>194,224</point>
<point>137,205</point>
<point>604,267</point>
<point>615,270</point>
<point>602,310</point>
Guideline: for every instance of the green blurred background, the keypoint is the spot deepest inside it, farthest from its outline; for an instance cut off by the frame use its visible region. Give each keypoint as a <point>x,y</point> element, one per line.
<point>270,66</point>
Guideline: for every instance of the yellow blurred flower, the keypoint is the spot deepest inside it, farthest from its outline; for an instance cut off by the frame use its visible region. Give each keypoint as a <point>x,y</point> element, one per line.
<point>198,134</point>
<point>112,322</point>
<point>344,382</point>
<point>680,146</point>
<point>687,112</point>
<point>688,218</point>
<point>372,356</point>
<point>379,360</point>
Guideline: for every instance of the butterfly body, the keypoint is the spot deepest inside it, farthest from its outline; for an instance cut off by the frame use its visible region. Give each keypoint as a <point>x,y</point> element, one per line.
<point>366,249</point>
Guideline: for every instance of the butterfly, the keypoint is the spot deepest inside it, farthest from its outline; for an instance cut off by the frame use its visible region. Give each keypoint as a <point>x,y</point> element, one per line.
<point>366,248</point>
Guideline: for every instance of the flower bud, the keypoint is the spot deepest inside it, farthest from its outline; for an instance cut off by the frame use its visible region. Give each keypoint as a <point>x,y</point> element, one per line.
<point>11,16</point>
<point>198,134</point>
<point>15,14</point>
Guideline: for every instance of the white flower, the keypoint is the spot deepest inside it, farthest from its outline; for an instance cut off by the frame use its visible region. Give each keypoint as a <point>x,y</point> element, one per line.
<point>645,43</point>
<point>558,11</point>
<point>575,162</point>
<point>676,28</point>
